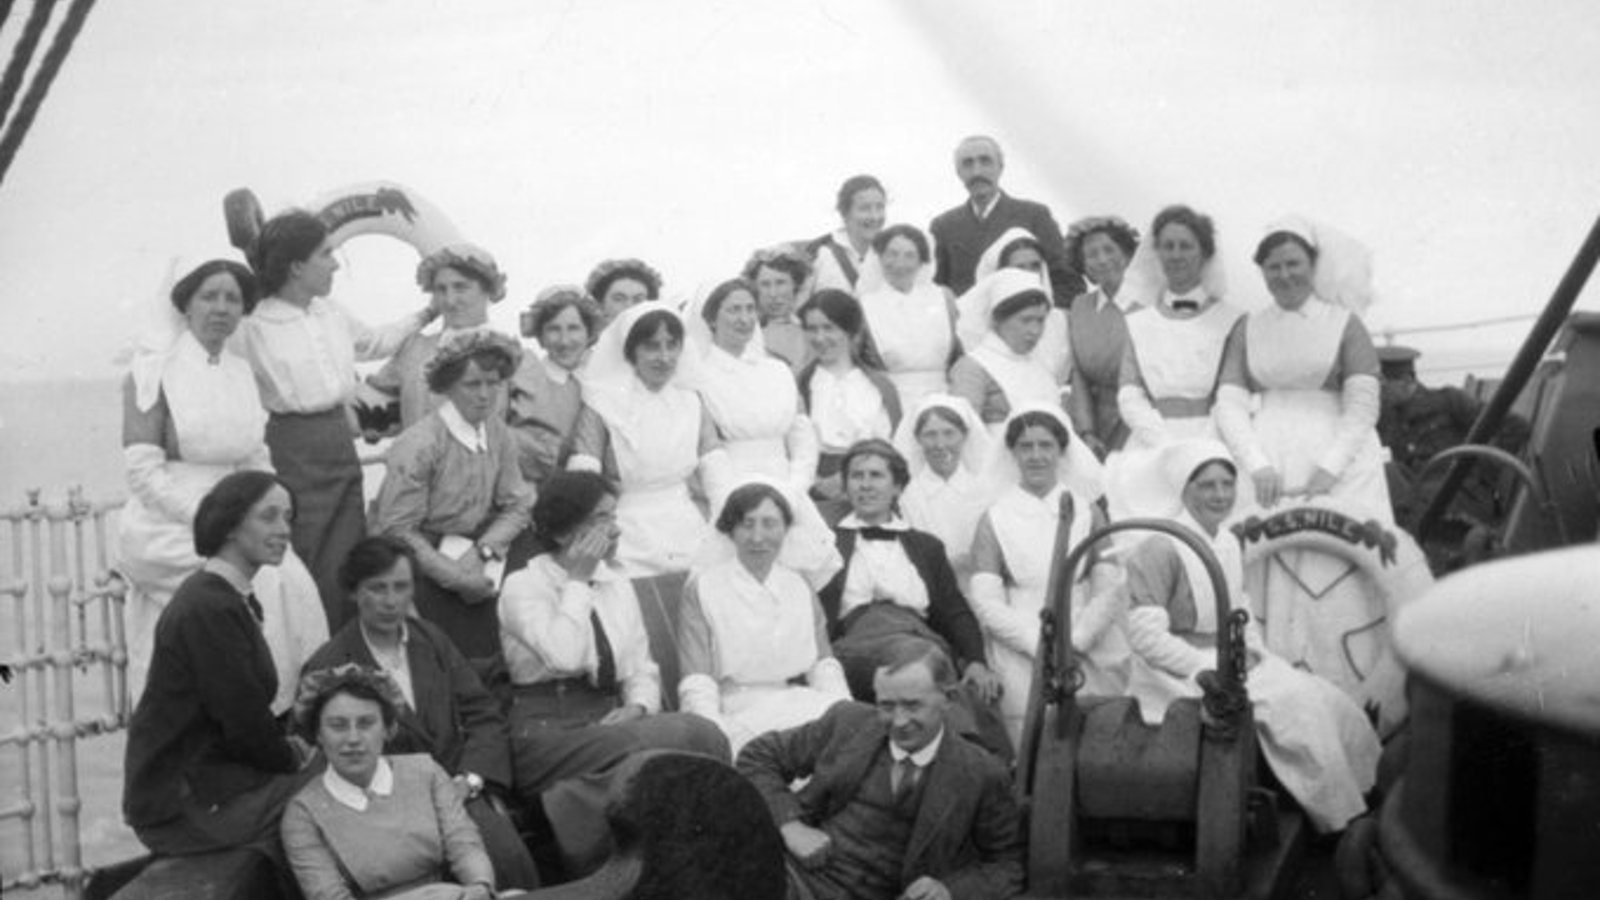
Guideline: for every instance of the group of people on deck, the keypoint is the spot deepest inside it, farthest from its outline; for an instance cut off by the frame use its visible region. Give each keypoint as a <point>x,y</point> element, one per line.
<point>716,528</point>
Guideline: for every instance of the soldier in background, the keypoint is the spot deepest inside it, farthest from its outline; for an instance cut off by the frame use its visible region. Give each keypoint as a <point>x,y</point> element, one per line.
<point>1417,422</point>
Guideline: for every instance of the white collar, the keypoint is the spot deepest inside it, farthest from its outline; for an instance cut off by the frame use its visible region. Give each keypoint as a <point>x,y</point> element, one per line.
<point>231,574</point>
<point>277,309</point>
<point>922,757</point>
<point>984,211</point>
<point>895,523</point>
<point>555,373</point>
<point>355,796</point>
<point>405,637</point>
<point>472,437</point>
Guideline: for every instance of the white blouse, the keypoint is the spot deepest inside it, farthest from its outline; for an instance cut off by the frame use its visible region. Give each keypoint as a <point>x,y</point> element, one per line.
<point>304,358</point>
<point>847,409</point>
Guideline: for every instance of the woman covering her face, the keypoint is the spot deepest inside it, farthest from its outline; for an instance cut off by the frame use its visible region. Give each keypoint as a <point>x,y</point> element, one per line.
<point>191,415</point>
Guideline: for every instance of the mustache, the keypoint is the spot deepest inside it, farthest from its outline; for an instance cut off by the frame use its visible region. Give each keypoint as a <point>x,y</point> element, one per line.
<point>980,179</point>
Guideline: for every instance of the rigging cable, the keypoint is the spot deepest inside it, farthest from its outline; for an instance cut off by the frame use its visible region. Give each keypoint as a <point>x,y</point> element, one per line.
<point>17,126</point>
<point>22,55</point>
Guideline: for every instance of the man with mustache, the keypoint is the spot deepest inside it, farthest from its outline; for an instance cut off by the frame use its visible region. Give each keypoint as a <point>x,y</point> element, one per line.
<point>962,234</point>
<point>895,805</point>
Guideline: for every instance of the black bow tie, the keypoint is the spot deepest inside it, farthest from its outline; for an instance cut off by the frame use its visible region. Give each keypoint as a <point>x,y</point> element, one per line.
<point>1186,305</point>
<point>874,533</point>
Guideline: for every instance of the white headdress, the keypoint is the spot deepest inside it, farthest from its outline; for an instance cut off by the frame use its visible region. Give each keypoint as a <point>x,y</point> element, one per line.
<point>1344,265</point>
<point>701,340</point>
<point>1078,471</point>
<point>975,308</point>
<point>974,451</point>
<point>808,546</point>
<point>1145,280</point>
<point>160,326</point>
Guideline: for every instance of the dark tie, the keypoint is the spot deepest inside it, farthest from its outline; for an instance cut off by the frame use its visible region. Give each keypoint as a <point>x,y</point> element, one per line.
<point>874,533</point>
<point>904,777</point>
<point>1186,305</point>
<point>605,673</point>
<point>255,609</point>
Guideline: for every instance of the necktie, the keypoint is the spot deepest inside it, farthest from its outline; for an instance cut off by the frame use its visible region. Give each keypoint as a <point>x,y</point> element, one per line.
<point>256,611</point>
<point>605,673</point>
<point>1186,305</point>
<point>904,779</point>
<point>874,533</point>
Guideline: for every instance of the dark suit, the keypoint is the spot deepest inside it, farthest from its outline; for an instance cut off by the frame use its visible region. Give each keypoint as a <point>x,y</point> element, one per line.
<point>960,238</point>
<point>456,721</point>
<point>967,832</point>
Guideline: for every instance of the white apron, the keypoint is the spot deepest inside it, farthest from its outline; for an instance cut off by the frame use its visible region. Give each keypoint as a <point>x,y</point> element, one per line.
<point>913,334</point>
<point>1317,740</point>
<point>1025,526</point>
<point>655,439</point>
<point>219,421</point>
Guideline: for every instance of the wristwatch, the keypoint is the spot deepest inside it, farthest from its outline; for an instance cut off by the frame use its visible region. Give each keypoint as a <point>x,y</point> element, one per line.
<point>487,553</point>
<point>474,784</point>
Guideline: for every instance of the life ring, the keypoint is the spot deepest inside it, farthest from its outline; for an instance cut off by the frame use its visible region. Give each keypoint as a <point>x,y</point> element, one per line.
<point>1389,560</point>
<point>372,207</point>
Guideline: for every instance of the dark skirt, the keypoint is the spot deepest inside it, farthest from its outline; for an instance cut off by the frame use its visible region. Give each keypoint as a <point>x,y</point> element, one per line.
<point>315,456</point>
<point>473,627</point>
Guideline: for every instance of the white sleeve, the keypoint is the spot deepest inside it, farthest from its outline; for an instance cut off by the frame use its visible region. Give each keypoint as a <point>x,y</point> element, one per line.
<point>153,484</point>
<point>1358,417</point>
<point>1148,427</point>
<point>1008,625</point>
<point>1232,414</point>
<point>1104,606</point>
<point>804,449</point>
<point>381,342</point>
<point>1150,635</point>
<point>827,676</point>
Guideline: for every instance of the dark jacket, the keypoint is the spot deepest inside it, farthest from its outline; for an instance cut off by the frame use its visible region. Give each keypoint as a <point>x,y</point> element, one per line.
<point>456,720</point>
<point>960,238</point>
<point>949,615</point>
<point>204,723</point>
<point>968,828</point>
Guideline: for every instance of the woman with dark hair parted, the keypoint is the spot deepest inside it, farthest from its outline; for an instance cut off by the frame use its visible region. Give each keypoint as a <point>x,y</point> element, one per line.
<point>845,260</point>
<point>303,348</point>
<point>1050,481</point>
<point>192,414</point>
<point>845,391</point>
<point>455,494</point>
<point>444,709</point>
<point>1175,339</point>
<point>658,436</point>
<point>911,319</point>
<point>207,765</point>
<point>586,691</point>
<point>778,274</point>
<point>463,280</point>
<point>753,640</point>
<point>946,447</point>
<point>376,825</point>
<point>618,284</point>
<point>545,408</point>
<point>1100,247</point>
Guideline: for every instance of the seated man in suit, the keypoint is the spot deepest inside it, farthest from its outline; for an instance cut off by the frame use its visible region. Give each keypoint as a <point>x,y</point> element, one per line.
<point>448,714</point>
<point>896,805</point>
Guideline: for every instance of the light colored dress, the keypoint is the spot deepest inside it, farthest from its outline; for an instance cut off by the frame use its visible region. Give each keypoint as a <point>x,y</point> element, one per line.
<point>654,439</point>
<point>1317,740</point>
<point>1169,376</point>
<point>948,509</point>
<point>755,654</point>
<point>1315,373</point>
<point>915,335</point>
<point>213,424</point>
<point>1012,553</point>
<point>753,400</point>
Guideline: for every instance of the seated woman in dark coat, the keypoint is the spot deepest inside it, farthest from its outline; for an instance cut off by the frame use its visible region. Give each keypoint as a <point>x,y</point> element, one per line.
<point>897,581</point>
<point>207,765</point>
<point>446,712</point>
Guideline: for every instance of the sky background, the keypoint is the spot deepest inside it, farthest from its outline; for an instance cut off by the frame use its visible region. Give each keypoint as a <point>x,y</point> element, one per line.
<point>1459,138</point>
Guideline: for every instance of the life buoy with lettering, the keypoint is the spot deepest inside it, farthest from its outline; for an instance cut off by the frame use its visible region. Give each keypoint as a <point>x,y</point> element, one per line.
<point>1389,561</point>
<point>373,207</point>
